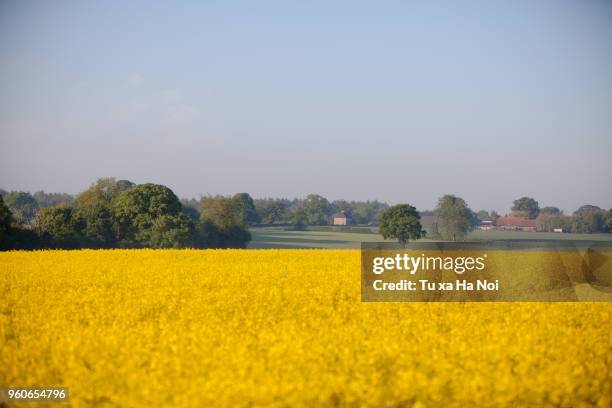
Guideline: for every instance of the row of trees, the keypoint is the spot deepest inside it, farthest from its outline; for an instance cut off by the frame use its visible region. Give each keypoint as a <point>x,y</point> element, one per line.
<point>25,205</point>
<point>120,214</point>
<point>312,210</point>
<point>317,210</point>
<point>586,219</point>
<point>113,213</point>
<point>453,221</point>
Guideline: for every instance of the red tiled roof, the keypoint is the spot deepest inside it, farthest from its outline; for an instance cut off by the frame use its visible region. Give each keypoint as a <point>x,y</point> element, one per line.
<point>510,221</point>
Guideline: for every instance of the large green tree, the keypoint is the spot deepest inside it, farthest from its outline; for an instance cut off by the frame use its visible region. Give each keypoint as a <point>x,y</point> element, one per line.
<point>526,206</point>
<point>150,215</point>
<point>94,205</point>
<point>401,222</point>
<point>454,219</point>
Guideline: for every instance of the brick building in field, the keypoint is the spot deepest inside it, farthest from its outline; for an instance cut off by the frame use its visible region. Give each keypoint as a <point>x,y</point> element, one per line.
<point>340,219</point>
<point>514,223</point>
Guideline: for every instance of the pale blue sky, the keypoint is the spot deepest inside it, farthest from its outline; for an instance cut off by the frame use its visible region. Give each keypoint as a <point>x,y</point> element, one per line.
<point>393,100</point>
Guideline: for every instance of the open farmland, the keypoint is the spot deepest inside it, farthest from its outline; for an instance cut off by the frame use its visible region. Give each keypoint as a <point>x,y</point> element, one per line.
<point>330,237</point>
<point>287,239</point>
<point>286,328</point>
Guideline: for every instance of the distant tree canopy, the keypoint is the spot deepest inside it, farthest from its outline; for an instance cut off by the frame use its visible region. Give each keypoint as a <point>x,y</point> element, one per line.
<point>367,212</point>
<point>150,215</point>
<point>22,205</point>
<point>299,218</point>
<point>114,213</point>
<point>401,222</point>
<point>245,208</point>
<point>102,192</point>
<point>224,222</point>
<point>527,207</point>
<point>454,219</point>
<point>59,227</point>
<point>589,219</point>
<point>95,207</point>
<point>588,207</point>
<point>316,210</point>
<point>550,221</point>
<point>45,200</point>
<point>219,210</point>
<point>273,210</point>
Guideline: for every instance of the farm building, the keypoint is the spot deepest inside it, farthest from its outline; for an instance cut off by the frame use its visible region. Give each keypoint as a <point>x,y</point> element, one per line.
<point>487,225</point>
<point>340,219</point>
<point>514,223</point>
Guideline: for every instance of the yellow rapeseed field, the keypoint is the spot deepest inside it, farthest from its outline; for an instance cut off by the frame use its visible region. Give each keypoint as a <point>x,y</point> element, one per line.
<point>188,328</point>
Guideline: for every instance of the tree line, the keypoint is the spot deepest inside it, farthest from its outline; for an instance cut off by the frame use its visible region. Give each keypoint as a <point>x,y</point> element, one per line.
<point>453,219</point>
<point>312,210</point>
<point>585,220</point>
<point>120,214</point>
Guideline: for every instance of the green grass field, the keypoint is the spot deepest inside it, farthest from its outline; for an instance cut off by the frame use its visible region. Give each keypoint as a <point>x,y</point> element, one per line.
<point>273,237</point>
